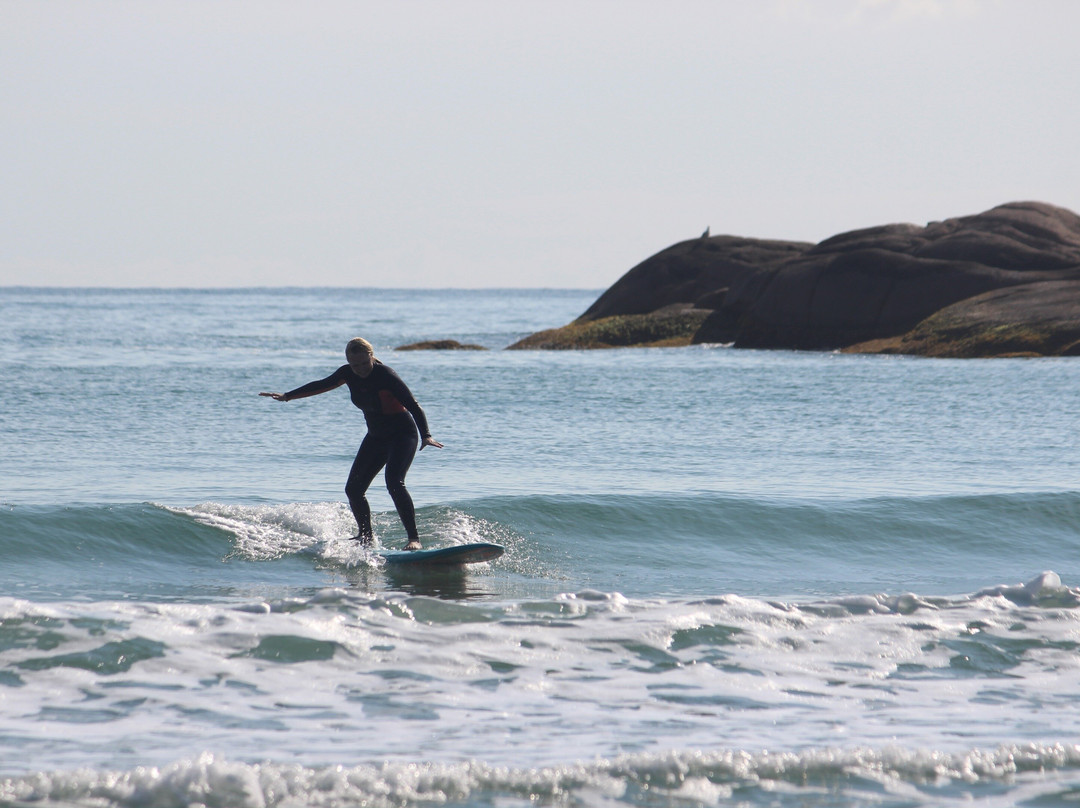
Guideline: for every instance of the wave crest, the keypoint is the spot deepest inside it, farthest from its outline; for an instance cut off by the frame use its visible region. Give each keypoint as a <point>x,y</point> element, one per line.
<point>922,777</point>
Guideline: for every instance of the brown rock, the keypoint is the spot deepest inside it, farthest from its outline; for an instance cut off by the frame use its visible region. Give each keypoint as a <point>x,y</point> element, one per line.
<point>867,287</point>
<point>440,345</point>
<point>690,272</point>
<point>1033,319</point>
<point>881,282</point>
<point>672,326</point>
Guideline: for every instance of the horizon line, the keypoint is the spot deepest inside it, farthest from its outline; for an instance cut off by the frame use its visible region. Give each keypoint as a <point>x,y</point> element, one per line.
<point>105,288</point>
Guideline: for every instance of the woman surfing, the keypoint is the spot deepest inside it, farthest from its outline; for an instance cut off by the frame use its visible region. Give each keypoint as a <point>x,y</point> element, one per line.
<point>393,417</point>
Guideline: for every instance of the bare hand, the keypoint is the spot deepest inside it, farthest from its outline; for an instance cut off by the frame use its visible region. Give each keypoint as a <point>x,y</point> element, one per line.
<point>430,442</point>
<point>275,396</point>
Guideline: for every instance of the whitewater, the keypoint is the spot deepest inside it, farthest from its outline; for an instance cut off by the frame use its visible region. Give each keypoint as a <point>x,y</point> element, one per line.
<point>731,578</point>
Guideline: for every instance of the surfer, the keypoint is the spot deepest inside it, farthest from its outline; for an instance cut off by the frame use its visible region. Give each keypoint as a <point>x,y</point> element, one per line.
<point>393,417</point>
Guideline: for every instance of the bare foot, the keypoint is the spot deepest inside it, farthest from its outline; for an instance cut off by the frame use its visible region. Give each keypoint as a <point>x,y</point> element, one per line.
<point>413,545</point>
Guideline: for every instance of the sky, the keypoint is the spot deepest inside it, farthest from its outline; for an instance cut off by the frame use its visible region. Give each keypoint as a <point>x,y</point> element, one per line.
<point>507,143</point>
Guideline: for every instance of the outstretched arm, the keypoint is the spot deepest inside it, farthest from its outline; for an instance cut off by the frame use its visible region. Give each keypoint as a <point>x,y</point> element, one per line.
<point>331,382</point>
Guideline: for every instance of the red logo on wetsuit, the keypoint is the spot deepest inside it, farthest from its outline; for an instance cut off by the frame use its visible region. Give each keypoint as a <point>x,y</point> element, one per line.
<point>390,405</point>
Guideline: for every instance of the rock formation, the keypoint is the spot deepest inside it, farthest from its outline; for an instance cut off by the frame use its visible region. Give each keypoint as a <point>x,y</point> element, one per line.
<point>1030,319</point>
<point>943,289</point>
<point>440,345</point>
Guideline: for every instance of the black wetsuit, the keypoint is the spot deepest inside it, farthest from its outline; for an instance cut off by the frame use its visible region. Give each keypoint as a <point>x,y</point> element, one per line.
<point>393,417</point>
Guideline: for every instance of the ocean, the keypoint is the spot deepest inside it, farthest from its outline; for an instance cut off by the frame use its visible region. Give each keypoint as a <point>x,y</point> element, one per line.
<point>753,578</point>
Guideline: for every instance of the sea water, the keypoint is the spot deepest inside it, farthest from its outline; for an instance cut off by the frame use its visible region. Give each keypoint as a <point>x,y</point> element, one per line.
<point>732,577</point>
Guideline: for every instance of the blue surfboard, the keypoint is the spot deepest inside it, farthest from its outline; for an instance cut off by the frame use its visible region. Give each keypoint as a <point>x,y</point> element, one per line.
<point>454,556</point>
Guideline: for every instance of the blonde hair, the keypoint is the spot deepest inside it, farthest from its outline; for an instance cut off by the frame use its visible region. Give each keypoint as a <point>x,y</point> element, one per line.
<point>358,345</point>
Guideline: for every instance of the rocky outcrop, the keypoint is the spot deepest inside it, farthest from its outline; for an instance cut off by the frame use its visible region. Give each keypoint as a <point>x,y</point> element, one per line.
<point>881,282</point>
<point>440,345</point>
<point>669,327</point>
<point>879,287</point>
<point>694,272</point>
<point>1032,319</point>
<point>664,300</point>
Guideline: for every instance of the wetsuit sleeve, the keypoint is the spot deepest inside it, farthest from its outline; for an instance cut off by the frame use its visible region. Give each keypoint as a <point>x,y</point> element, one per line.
<point>402,393</point>
<point>334,380</point>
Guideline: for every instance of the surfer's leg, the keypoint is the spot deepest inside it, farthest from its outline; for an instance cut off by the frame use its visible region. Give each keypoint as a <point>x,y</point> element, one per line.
<point>369,459</point>
<point>400,457</point>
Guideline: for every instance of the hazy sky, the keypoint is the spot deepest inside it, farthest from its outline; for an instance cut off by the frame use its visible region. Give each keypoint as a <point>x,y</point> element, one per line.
<point>460,143</point>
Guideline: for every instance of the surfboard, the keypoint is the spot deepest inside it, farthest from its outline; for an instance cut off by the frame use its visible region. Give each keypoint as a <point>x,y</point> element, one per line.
<point>454,556</point>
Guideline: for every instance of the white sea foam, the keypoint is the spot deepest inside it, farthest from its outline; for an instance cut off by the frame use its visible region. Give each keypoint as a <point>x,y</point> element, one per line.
<point>864,775</point>
<point>343,675</point>
<point>325,530</point>
<point>270,531</point>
